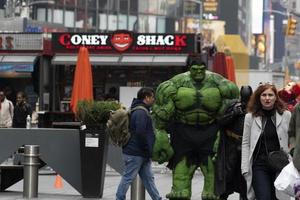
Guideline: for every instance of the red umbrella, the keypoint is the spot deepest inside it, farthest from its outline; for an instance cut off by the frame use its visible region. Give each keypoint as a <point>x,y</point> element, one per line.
<point>230,69</point>
<point>83,79</point>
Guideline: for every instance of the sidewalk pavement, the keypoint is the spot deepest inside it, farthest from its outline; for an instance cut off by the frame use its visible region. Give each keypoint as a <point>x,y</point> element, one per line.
<point>47,191</point>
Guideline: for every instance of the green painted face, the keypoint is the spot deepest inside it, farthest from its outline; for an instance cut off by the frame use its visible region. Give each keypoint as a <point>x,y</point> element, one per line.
<point>198,72</point>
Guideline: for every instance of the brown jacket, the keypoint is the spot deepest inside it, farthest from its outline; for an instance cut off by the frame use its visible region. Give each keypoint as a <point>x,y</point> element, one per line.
<point>294,135</point>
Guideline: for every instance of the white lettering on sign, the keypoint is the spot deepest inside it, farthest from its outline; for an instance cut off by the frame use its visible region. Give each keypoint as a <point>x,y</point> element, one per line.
<point>89,39</point>
<point>155,40</point>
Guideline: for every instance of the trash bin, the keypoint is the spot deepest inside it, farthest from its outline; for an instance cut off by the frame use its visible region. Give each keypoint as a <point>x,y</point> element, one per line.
<point>93,149</point>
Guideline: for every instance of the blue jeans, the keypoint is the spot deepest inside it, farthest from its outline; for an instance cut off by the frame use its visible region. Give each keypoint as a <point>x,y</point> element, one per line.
<point>263,181</point>
<point>137,165</point>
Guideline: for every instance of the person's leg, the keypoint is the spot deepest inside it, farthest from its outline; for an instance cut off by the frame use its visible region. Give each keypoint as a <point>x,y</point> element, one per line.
<point>131,169</point>
<point>242,185</point>
<point>262,182</point>
<point>230,165</point>
<point>147,177</point>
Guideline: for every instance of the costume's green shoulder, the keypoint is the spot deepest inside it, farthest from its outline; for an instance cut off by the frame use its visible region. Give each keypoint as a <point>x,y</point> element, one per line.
<point>183,79</point>
<point>214,76</point>
<point>165,90</point>
<point>227,88</point>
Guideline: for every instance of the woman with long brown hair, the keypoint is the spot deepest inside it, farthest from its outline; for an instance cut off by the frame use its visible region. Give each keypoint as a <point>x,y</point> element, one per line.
<point>265,130</point>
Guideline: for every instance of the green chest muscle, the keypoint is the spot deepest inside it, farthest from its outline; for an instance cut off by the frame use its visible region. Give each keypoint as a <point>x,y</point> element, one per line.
<point>208,99</point>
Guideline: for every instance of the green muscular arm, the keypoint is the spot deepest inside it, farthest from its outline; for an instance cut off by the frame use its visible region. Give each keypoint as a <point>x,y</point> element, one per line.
<point>228,91</point>
<point>163,111</point>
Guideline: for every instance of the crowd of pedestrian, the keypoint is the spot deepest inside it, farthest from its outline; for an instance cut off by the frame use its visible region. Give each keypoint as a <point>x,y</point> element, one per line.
<point>252,127</point>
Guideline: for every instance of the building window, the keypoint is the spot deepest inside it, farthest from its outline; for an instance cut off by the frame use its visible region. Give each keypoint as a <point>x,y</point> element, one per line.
<point>174,9</point>
<point>41,14</point>
<point>124,6</point>
<point>191,9</point>
<point>162,7</point>
<point>49,15</point>
<point>112,22</point>
<point>80,18</point>
<point>102,21</point>
<point>143,6</point>
<point>132,23</point>
<point>153,7</point>
<point>143,24</point>
<point>69,2</point>
<point>91,18</point>
<point>133,5</point>
<point>103,4</point>
<point>152,24</point>
<point>69,19</point>
<point>58,16</point>
<point>122,22</point>
<point>81,3</point>
<point>92,4</point>
<point>161,25</point>
<point>113,5</point>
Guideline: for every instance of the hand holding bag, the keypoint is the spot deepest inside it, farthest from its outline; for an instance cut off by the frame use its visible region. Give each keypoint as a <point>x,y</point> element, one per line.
<point>288,181</point>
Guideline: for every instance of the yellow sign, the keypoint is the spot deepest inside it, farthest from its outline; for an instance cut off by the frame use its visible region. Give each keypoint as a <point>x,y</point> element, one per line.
<point>210,5</point>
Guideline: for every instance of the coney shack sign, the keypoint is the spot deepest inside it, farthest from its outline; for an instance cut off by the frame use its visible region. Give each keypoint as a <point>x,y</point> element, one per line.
<point>124,42</point>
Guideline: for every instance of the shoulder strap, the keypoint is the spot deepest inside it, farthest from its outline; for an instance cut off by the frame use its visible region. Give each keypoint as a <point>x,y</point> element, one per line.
<point>141,108</point>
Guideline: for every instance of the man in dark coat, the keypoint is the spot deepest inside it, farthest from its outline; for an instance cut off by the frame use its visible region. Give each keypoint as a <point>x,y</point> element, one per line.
<point>138,151</point>
<point>228,168</point>
<point>21,111</point>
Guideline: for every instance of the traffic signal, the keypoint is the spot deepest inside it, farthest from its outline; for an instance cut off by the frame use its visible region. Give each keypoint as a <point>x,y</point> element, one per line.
<point>261,45</point>
<point>291,26</point>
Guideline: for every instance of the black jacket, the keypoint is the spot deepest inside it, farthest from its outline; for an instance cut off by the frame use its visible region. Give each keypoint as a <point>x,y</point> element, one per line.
<point>142,134</point>
<point>20,114</point>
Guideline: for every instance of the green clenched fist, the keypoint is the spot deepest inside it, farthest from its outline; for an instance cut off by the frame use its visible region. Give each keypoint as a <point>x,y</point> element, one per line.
<point>162,150</point>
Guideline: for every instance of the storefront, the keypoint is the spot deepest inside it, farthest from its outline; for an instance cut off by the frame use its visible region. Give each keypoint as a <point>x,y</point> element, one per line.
<point>118,59</point>
<point>19,62</point>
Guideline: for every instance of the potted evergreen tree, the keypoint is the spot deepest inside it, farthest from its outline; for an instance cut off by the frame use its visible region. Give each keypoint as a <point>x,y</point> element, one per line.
<point>94,144</point>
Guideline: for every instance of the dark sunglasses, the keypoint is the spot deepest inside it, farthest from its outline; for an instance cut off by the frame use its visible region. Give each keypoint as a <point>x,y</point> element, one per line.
<point>265,83</point>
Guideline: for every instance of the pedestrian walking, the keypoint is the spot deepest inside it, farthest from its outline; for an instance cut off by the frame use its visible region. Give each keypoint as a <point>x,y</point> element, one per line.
<point>138,151</point>
<point>294,136</point>
<point>294,141</point>
<point>265,130</point>
<point>228,174</point>
<point>21,111</point>
<point>6,111</point>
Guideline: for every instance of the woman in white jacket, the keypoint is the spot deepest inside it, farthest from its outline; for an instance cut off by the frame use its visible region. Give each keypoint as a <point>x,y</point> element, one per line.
<point>265,130</point>
<point>6,111</point>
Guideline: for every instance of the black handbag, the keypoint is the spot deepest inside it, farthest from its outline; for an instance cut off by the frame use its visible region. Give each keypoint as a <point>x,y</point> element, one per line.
<point>277,160</point>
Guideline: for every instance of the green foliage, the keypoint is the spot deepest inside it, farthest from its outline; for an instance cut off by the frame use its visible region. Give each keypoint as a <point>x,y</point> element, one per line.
<point>95,112</point>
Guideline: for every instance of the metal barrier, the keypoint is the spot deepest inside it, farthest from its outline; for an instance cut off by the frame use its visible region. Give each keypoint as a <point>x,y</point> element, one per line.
<point>137,189</point>
<point>31,167</point>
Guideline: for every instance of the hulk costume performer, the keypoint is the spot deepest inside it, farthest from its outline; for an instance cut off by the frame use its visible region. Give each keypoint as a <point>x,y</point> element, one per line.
<point>186,107</point>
